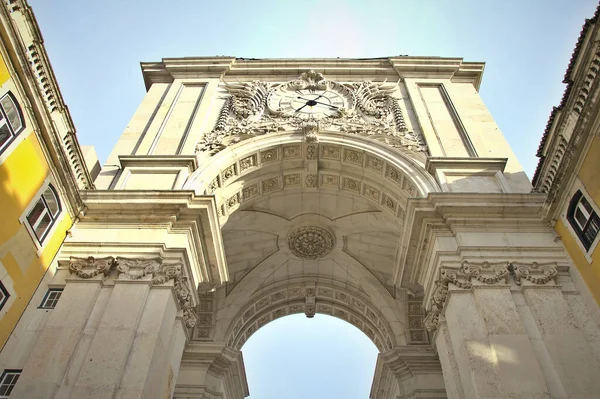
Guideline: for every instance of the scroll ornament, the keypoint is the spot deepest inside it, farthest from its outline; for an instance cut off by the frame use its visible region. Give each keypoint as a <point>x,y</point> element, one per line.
<point>137,268</point>
<point>370,110</point>
<point>486,273</point>
<point>91,267</point>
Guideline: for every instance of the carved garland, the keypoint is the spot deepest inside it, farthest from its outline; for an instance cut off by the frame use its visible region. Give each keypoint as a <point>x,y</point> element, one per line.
<point>135,269</point>
<point>486,273</point>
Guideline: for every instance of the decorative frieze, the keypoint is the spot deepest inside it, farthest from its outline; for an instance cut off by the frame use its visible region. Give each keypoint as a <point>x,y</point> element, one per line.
<point>311,180</point>
<point>271,184</point>
<point>394,175</point>
<point>311,152</point>
<point>536,273</point>
<point>372,192</point>
<point>353,157</point>
<point>152,269</point>
<point>91,267</point>
<point>375,164</point>
<point>292,180</point>
<point>250,191</point>
<point>484,273</point>
<point>331,152</point>
<point>228,173</point>
<point>390,203</point>
<point>205,312</point>
<point>330,180</point>
<point>136,268</point>
<point>270,155</point>
<point>248,162</point>
<point>310,298</point>
<point>351,184</point>
<point>291,151</point>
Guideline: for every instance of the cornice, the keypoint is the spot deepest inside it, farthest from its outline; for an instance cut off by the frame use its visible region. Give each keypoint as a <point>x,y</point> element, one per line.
<point>33,72</point>
<point>384,68</point>
<point>172,209</point>
<point>187,161</point>
<point>442,214</point>
<point>580,77</point>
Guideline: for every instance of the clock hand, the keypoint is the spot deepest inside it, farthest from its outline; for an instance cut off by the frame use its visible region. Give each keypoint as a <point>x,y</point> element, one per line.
<point>327,105</point>
<point>298,110</point>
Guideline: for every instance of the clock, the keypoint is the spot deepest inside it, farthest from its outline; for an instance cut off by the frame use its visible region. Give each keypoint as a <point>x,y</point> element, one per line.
<point>306,103</point>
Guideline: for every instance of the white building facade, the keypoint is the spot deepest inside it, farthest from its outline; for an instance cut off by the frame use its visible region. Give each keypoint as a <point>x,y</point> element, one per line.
<point>377,191</point>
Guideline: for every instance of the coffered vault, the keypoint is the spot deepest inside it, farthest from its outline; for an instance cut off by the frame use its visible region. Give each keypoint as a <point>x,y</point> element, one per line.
<point>377,191</point>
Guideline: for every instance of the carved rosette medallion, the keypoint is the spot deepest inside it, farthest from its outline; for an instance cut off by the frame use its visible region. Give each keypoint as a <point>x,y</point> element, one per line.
<point>310,242</point>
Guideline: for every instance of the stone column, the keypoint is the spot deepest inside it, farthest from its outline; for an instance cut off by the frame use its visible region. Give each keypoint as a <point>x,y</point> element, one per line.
<point>408,372</point>
<point>133,339</point>
<point>483,339</point>
<point>570,361</point>
<point>54,351</point>
<point>211,371</point>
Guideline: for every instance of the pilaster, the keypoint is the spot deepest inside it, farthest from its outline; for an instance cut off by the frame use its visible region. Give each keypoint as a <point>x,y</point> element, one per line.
<point>484,314</point>
<point>123,326</point>
<point>211,371</point>
<point>410,372</point>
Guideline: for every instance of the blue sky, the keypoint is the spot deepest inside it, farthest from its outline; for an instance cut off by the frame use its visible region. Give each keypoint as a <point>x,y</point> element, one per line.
<point>95,49</point>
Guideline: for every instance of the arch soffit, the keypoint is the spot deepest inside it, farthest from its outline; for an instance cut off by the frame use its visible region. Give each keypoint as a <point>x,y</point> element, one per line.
<point>312,297</point>
<point>362,166</point>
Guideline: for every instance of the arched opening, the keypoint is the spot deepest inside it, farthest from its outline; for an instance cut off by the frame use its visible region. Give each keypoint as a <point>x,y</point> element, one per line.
<point>297,358</point>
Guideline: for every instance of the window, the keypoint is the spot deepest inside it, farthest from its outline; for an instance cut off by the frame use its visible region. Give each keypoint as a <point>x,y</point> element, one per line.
<point>11,120</point>
<point>7,382</point>
<point>44,213</point>
<point>51,298</point>
<point>583,219</point>
<point>3,295</point>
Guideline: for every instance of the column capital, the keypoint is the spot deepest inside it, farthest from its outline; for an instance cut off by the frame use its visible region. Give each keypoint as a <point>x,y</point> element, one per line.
<point>89,267</point>
<point>153,270</point>
<point>470,274</point>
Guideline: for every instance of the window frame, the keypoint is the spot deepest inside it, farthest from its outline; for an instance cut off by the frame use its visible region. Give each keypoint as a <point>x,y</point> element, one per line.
<point>14,133</point>
<point>49,292</point>
<point>12,384</point>
<point>40,198</point>
<point>592,218</point>
<point>6,294</point>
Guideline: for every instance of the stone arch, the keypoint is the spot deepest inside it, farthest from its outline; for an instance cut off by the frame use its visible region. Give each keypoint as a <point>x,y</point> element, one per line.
<point>376,179</point>
<point>255,167</point>
<point>310,297</point>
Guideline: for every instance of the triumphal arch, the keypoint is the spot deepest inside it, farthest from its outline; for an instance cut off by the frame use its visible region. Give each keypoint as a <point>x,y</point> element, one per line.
<point>378,191</point>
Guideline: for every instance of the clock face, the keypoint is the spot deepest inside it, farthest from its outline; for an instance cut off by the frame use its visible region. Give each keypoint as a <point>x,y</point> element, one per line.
<point>307,104</point>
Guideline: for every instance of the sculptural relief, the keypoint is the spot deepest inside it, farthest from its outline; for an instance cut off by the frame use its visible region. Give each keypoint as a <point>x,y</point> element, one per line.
<point>311,104</point>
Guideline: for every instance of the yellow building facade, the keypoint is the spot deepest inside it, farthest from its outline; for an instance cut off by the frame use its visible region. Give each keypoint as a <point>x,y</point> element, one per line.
<point>41,167</point>
<point>569,166</point>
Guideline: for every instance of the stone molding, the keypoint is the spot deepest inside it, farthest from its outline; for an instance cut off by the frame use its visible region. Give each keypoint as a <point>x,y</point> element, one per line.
<point>174,212</point>
<point>310,297</point>
<point>447,214</point>
<point>219,361</point>
<point>403,364</point>
<point>243,69</point>
<point>484,273</point>
<point>150,269</point>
